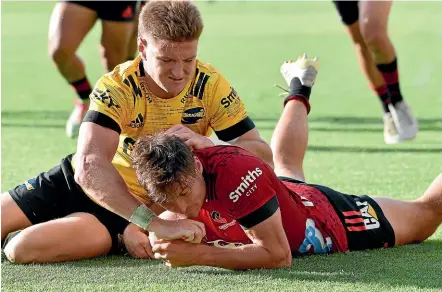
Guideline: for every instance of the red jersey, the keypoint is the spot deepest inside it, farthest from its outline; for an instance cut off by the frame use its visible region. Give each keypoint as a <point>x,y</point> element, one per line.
<point>243,191</point>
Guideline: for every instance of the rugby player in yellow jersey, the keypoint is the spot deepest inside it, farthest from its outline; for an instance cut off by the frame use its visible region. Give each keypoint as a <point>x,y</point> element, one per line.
<point>79,208</point>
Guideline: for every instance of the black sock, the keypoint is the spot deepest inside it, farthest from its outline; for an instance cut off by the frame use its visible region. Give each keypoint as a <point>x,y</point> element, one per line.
<point>391,77</point>
<point>9,237</point>
<point>296,88</point>
<point>299,92</point>
<point>82,88</point>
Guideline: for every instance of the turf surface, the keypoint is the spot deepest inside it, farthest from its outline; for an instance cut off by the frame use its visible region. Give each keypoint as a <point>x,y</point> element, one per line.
<point>248,41</point>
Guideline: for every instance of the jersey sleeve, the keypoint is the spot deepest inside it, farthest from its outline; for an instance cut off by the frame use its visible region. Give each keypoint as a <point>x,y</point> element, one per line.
<point>244,187</point>
<point>109,104</point>
<point>228,113</point>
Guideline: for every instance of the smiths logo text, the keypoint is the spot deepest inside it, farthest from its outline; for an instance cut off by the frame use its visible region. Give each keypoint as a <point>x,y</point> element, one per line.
<point>138,122</point>
<point>229,99</point>
<point>193,115</point>
<point>247,185</point>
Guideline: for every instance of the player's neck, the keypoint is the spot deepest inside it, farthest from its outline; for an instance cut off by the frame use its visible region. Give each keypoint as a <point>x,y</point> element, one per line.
<point>156,90</point>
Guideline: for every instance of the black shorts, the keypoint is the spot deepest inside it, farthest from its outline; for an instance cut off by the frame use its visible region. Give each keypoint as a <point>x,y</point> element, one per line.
<point>348,10</point>
<point>363,220</point>
<point>365,224</point>
<point>55,194</point>
<point>112,10</point>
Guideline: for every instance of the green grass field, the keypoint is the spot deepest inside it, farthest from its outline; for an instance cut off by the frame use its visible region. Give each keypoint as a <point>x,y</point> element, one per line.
<point>248,41</point>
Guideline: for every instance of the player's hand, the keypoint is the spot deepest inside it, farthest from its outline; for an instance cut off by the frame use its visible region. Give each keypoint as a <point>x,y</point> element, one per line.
<point>137,242</point>
<point>176,253</point>
<point>192,139</point>
<point>188,230</point>
<point>305,69</point>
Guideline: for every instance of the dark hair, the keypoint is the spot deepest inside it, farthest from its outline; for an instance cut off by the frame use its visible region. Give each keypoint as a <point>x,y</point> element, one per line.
<point>163,163</point>
<point>177,21</point>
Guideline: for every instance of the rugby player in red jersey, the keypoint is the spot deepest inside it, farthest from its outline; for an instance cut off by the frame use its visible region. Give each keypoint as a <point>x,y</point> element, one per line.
<point>265,216</point>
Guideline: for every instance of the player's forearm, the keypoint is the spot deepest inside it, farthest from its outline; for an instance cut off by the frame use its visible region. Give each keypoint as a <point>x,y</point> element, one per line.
<point>249,256</point>
<point>258,147</point>
<point>104,185</point>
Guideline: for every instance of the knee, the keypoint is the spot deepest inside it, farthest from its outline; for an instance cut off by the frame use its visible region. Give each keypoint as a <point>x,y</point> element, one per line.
<point>373,35</point>
<point>18,250</point>
<point>430,209</point>
<point>101,242</point>
<point>60,54</point>
<point>429,220</point>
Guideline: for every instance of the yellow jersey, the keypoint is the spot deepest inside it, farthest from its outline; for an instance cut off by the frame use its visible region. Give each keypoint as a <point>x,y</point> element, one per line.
<point>121,101</point>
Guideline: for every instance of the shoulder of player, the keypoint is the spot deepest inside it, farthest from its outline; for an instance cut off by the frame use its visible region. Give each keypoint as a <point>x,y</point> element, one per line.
<point>206,69</point>
<point>227,158</point>
<point>124,79</point>
<point>234,174</point>
<point>123,72</point>
<point>208,82</point>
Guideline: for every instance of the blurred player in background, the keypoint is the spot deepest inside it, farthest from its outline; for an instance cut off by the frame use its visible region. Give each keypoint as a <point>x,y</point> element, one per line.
<point>366,24</point>
<point>70,22</point>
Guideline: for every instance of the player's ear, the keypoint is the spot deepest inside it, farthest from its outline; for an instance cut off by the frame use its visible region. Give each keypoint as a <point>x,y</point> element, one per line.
<point>198,165</point>
<point>142,47</point>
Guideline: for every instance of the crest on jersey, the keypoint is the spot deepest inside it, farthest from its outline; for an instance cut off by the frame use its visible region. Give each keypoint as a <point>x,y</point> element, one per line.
<point>192,115</point>
<point>216,217</point>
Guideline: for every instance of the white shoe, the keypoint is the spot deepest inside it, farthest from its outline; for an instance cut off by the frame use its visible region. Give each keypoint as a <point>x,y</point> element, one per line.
<point>391,135</point>
<point>406,124</point>
<point>74,122</point>
<point>305,69</point>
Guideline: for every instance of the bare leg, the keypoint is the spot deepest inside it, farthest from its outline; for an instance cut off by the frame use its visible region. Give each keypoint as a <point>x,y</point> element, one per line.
<point>68,26</point>
<point>13,218</point>
<point>373,16</point>
<point>77,236</point>
<point>133,42</point>
<point>365,58</point>
<point>114,43</point>
<point>415,221</point>
<point>289,141</point>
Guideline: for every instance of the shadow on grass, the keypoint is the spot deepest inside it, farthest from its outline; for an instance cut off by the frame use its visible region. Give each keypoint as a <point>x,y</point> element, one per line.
<point>49,119</point>
<point>412,266</point>
<point>347,120</point>
<point>417,265</point>
<point>35,115</point>
<point>349,124</point>
<point>34,119</point>
<point>354,149</point>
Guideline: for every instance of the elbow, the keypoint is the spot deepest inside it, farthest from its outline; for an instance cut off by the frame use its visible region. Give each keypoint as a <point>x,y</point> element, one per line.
<point>82,169</point>
<point>281,259</point>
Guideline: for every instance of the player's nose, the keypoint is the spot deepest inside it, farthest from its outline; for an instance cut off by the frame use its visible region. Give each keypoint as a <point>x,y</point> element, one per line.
<point>178,70</point>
